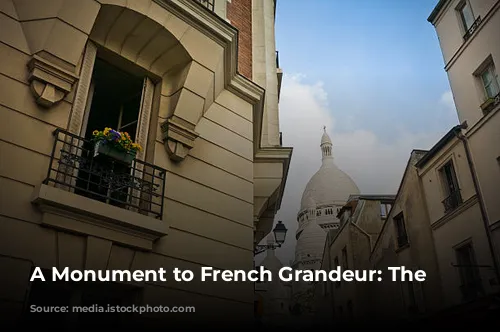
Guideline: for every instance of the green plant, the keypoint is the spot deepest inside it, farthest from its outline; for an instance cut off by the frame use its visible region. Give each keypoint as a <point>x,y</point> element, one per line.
<point>117,139</point>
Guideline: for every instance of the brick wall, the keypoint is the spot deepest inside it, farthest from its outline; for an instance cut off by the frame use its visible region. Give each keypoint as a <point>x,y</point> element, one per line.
<point>239,13</point>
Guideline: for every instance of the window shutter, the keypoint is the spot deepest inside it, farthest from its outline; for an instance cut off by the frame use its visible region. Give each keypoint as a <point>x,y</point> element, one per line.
<point>144,118</point>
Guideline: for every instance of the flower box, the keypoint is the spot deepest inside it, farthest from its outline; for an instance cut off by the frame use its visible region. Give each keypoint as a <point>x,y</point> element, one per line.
<point>101,148</point>
<point>490,103</point>
<point>487,104</point>
<point>115,144</point>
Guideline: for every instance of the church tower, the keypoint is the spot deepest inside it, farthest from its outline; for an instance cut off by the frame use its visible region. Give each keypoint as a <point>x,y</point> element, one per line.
<point>326,192</point>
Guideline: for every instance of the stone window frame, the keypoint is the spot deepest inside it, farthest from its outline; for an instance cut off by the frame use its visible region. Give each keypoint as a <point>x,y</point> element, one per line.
<point>401,241</point>
<point>83,99</point>
<point>459,10</point>
<point>81,214</point>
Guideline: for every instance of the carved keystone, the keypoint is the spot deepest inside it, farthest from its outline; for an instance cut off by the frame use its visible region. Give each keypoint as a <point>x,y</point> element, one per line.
<point>49,83</point>
<point>178,140</point>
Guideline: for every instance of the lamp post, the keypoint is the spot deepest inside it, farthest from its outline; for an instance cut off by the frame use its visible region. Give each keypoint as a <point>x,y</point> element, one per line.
<point>279,238</point>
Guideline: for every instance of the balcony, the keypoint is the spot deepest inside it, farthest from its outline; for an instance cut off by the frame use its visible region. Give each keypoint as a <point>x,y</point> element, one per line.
<point>89,189</point>
<point>209,4</point>
<point>472,28</point>
<point>453,201</point>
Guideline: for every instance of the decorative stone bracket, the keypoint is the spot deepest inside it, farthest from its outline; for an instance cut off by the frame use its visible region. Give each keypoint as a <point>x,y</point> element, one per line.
<point>49,83</point>
<point>178,139</point>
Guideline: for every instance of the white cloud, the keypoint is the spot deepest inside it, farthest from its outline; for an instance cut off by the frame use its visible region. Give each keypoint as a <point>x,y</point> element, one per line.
<point>448,102</point>
<point>376,167</point>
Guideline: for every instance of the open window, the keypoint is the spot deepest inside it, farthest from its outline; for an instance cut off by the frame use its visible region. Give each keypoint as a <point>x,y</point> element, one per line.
<point>120,100</point>
<point>114,102</point>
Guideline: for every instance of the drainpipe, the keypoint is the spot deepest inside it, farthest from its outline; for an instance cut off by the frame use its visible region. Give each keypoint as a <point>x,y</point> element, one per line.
<point>482,207</point>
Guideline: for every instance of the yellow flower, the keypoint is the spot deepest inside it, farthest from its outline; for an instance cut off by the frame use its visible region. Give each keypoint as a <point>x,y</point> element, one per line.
<point>95,132</point>
<point>136,146</point>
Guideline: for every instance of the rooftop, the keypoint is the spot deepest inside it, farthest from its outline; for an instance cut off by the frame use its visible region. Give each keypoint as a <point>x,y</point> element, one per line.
<point>436,10</point>
<point>383,197</point>
<point>438,146</point>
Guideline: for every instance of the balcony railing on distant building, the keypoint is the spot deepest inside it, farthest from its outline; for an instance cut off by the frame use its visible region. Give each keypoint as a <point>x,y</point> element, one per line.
<point>209,4</point>
<point>452,201</point>
<point>472,28</point>
<point>77,167</point>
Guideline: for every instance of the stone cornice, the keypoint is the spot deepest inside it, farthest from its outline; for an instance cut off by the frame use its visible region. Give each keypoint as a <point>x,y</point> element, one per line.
<point>276,155</point>
<point>273,154</point>
<point>458,211</point>
<point>66,210</point>
<point>254,94</point>
<point>227,36</point>
<point>217,29</point>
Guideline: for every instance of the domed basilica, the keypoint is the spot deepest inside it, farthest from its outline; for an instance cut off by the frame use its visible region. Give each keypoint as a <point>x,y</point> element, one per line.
<point>326,192</point>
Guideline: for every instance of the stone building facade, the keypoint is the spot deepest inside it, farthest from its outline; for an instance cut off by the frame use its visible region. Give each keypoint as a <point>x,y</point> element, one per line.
<point>428,228</point>
<point>349,247</point>
<point>189,88</point>
<point>469,41</point>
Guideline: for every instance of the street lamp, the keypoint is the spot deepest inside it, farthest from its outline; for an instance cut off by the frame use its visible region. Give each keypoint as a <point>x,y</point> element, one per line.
<point>280,233</point>
<point>279,238</point>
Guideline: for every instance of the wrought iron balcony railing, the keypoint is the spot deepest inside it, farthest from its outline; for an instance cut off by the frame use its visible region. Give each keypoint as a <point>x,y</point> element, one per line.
<point>452,201</point>
<point>472,28</point>
<point>75,166</point>
<point>209,4</point>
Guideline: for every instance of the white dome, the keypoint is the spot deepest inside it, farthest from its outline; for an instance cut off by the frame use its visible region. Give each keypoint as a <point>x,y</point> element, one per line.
<point>309,203</point>
<point>311,242</point>
<point>330,185</point>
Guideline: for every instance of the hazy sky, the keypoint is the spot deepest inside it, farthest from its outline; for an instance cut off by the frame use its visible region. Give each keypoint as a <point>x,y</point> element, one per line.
<point>372,72</point>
